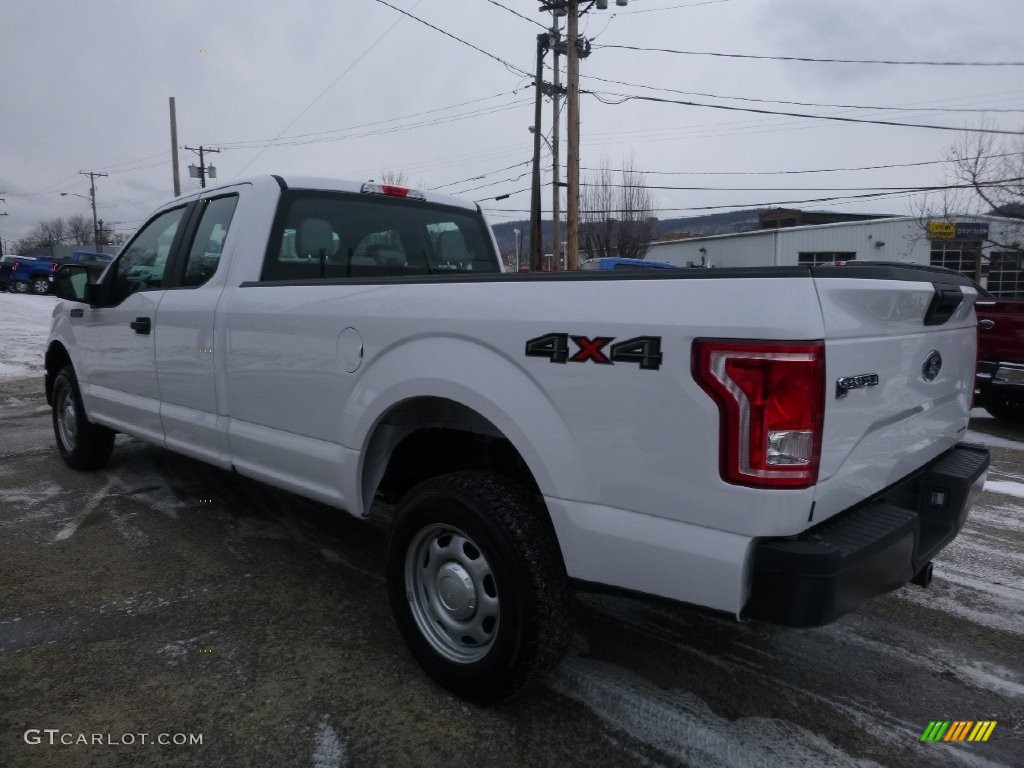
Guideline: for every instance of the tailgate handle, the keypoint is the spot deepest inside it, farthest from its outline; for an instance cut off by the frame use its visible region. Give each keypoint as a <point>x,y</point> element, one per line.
<point>944,303</point>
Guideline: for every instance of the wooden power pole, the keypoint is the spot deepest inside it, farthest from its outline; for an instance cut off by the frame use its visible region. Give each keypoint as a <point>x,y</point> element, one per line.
<point>174,149</point>
<point>572,176</point>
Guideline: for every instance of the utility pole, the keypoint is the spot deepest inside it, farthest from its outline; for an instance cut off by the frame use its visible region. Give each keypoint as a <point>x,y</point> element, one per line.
<point>3,213</point>
<point>92,196</point>
<point>556,193</point>
<point>572,194</point>
<point>573,56</point>
<point>536,241</point>
<point>202,171</point>
<point>174,149</point>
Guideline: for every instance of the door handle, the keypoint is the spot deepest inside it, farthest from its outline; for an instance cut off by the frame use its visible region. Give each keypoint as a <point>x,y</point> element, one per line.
<point>141,325</point>
<point>986,324</point>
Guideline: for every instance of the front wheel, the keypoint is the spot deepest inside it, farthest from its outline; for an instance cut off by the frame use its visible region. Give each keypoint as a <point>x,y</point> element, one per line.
<point>40,286</point>
<point>82,444</point>
<point>18,286</point>
<point>1005,407</point>
<point>477,584</point>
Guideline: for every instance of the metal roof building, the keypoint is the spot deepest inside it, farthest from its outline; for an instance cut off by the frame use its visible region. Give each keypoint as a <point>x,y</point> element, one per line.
<point>985,248</point>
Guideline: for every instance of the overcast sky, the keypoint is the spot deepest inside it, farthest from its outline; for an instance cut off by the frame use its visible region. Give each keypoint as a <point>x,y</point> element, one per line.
<point>354,88</point>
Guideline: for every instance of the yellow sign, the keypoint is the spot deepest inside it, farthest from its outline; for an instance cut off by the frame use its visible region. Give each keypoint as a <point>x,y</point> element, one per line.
<point>941,230</point>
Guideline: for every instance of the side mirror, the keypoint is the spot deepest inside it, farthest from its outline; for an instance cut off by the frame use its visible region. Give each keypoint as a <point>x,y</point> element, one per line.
<point>71,283</point>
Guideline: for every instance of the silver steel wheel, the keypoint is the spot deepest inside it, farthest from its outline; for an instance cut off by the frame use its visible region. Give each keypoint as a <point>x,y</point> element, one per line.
<point>452,593</point>
<point>41,286</point>
<point>67,418</point>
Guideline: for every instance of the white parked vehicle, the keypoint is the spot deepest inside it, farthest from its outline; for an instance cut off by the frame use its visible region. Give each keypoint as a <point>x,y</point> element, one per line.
<point>779,444</point>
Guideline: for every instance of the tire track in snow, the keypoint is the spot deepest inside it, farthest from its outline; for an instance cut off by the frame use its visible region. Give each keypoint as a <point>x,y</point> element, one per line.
<point>681,726</point>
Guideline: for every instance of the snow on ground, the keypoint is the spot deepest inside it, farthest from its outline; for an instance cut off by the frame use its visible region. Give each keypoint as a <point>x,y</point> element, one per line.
<point>1005,487</point>
<point>24,326</point>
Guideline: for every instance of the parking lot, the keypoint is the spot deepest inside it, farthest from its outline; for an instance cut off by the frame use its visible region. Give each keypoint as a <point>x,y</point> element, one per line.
<point>161,599</point>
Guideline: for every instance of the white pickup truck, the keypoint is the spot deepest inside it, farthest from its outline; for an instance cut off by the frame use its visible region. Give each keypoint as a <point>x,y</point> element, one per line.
<point>780,444</point>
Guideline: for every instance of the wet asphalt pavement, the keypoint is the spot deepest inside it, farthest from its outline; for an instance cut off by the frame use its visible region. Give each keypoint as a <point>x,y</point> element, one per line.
<point>163,600</point>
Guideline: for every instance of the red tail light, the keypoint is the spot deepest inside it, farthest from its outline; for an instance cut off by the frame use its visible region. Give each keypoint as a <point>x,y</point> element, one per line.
<point>54,266</point>
<point>770,398</point>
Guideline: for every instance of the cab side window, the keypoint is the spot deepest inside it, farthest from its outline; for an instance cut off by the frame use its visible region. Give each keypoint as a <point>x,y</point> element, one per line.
<point>141,265</point>
<point>208,243</point>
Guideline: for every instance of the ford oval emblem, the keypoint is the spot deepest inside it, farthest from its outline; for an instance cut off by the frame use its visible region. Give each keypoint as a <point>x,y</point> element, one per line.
<point>932,366</point>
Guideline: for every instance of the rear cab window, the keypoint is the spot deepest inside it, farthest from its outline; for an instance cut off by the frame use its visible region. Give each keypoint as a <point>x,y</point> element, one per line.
<point>329,235</point>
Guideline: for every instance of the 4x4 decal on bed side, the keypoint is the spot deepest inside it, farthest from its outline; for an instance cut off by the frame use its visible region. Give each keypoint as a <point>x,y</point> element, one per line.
<point>645,351</point>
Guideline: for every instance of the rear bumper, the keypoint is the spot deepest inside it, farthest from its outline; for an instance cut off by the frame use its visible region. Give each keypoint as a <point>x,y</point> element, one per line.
<point>1003,376</point>
<point>833,568</point>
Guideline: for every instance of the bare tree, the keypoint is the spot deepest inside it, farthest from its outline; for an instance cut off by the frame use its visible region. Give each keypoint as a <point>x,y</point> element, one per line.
<point>79,230</point>
<point>616,217</point>
<point>993,170</point>
<point>985,177</point>
<point>46,234</point>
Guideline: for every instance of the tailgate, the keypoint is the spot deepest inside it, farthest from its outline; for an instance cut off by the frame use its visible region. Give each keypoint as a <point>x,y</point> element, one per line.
<point>900,355</point>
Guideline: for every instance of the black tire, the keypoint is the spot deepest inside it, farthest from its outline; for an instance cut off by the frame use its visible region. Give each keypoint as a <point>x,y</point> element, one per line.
<point>472,552</point>
<point>1005,407</point>
<point>40,286</point>
<point>82,444</point>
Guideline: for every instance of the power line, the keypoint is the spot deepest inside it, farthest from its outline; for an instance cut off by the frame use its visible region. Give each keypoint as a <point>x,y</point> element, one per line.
<point>789,189</point>
<point>488,54</point>
<point>324,138</point>
<point>799,103</point>
<point>909,191</point>
<point>624,97</point>
<point>781,173</point>
<point>481,176</point>
<point>818,61</point>
<point>325,90</point>
<point>517,13</point>
<point>670,8</point>
<point>242,142</point>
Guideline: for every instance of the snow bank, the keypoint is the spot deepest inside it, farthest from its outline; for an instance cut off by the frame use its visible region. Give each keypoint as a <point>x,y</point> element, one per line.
<point>24,326</point>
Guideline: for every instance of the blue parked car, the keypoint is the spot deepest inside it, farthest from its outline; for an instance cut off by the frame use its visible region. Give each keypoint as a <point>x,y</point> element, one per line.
<point>36,273</point>
<point>609,262</point>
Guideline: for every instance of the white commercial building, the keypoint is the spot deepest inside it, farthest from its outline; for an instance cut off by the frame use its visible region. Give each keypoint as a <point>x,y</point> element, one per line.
<point>985,248</point>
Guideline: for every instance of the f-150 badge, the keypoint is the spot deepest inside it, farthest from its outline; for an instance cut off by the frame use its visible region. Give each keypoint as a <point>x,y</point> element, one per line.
<point>645,351</point>
<point>846,383</point>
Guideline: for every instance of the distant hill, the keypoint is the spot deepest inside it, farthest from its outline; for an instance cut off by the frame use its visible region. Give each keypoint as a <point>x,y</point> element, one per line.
<point>711,224</point>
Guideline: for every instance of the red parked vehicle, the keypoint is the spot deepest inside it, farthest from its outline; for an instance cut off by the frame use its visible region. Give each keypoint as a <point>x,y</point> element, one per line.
<point>1000,374</point>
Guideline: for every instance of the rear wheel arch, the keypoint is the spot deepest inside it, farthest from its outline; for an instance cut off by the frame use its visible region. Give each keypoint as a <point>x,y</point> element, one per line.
<point>427,437</point>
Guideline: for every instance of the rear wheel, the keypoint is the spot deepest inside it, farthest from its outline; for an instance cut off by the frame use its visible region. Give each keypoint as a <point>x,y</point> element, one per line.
<point>40,285</point>
<point>82,444</point>
<point>1005,407</point>
<point>477,584</point>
